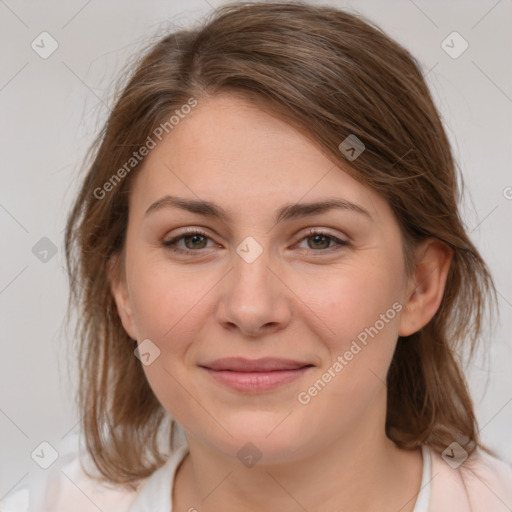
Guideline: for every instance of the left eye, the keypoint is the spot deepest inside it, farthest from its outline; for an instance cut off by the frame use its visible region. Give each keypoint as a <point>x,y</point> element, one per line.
<point>195,236</point>
<point>196,240</point>
<point>321,238</point>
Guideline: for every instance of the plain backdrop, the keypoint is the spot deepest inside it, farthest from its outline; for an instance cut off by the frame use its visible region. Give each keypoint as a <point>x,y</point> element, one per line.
<point>51,108</point>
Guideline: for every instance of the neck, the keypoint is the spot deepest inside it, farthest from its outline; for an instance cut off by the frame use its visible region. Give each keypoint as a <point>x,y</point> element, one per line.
<point>362,470</point>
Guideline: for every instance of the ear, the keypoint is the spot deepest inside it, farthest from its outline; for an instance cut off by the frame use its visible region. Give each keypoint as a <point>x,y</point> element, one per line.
<point>426,286</point>
<point>119,290</point>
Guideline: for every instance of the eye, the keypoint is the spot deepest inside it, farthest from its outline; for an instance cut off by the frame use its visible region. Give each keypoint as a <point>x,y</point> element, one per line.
<point>195,240</point>
<point>321,240</point>
<point>190,238</point>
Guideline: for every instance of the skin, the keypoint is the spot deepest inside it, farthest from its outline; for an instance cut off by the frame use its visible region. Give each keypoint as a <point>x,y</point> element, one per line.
<point>299,299</point>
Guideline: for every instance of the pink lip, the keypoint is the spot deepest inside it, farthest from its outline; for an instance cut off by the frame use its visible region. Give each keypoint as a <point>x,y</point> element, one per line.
<point>255,375</point>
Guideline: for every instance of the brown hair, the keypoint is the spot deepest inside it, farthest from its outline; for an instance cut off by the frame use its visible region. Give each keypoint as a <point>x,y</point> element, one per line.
<point>330,74</point>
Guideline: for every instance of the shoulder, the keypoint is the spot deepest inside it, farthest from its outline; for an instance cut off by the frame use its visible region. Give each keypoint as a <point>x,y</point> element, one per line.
<point>480,483</point>
<point>489,482</point>
<point>70,483</point>
<point>17,501</point>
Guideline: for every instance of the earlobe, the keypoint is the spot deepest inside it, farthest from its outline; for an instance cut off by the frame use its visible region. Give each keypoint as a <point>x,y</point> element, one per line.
<point>119,291</point>
<point>426,285</point>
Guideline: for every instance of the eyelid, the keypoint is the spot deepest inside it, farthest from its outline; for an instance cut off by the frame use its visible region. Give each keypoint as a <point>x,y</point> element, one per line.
<point>325,232</point>
<point>339,241</point>
<point>188,232</point>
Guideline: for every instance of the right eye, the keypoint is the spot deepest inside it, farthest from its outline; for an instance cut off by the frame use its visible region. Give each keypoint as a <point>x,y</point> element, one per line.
<point>193,236</point>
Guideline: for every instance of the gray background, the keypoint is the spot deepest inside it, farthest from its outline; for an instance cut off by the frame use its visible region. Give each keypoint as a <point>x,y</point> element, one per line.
<point>52,108</point>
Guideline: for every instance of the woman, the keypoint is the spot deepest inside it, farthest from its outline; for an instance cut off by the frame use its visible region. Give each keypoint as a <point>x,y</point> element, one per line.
<point>267,249</point>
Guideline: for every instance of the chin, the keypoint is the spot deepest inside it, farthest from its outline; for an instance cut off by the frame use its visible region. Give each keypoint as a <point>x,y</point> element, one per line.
<point>273,438</point>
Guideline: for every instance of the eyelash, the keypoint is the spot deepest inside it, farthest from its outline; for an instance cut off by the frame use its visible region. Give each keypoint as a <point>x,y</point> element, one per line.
<point>313,232</point>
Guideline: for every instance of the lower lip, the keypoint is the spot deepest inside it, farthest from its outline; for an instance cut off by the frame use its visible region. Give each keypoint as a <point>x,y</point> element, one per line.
<point>256,381</point>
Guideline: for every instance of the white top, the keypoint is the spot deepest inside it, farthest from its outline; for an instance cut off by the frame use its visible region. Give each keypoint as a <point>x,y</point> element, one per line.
<point>423,499</point>
<point>64,487</point>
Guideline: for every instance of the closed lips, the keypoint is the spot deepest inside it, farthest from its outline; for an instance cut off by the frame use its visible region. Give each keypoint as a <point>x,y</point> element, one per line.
<point>236,364</point>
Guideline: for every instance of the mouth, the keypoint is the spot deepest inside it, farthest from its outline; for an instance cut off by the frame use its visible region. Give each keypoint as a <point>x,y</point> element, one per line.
<point>255,375</point>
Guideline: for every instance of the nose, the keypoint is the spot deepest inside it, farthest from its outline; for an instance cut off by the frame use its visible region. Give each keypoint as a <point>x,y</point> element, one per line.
<point>254,300</point>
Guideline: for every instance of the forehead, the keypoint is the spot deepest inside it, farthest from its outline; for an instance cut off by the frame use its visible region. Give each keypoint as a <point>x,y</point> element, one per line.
<point>230,148</point>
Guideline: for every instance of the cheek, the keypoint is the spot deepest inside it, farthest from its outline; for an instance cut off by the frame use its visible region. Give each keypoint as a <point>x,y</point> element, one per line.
<point>166,303</point>
<point>353,300</point>
<point>164,299</point>
<point>361,307</point>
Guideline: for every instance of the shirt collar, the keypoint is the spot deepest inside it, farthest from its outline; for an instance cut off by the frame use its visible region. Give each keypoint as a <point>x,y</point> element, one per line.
<point>155,493</point>
<point>423,499</point>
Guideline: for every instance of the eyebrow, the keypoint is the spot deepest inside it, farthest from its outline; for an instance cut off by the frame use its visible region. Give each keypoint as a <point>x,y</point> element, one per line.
<point>287,212</point>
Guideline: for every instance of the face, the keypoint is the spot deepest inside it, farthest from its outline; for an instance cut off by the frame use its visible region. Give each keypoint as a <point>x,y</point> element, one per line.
<point>307,301</point>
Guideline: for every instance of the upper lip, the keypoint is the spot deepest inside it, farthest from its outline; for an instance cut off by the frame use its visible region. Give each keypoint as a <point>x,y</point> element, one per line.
<point>266,364</point>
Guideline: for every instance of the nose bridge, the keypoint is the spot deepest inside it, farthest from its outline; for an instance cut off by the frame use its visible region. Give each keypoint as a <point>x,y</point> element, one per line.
<point>253,299</point>
<point>251,275</point>
<point>251,267</point>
